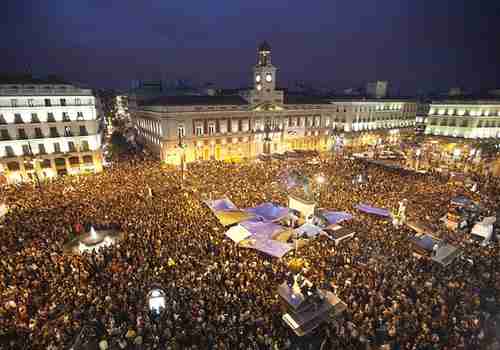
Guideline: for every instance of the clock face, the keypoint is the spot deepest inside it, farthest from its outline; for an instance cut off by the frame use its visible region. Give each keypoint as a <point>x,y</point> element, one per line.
<point>259,87</point>
<point>257,78</point>
<point>269,77</point>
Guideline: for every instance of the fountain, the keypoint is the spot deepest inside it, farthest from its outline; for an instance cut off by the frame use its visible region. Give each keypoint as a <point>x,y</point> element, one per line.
<point>93,240</point>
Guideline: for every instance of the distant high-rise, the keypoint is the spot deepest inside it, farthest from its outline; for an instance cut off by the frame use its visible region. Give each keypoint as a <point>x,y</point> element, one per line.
<point>377,89</point>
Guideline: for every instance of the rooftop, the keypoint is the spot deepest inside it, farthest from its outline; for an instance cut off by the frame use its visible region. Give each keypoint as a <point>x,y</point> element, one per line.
<point>28,79</point>
<point>188,100</point>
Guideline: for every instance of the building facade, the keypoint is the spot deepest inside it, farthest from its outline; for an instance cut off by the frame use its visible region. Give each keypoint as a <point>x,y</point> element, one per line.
<point>260,120</point>
<point>474,119</point>
<point>47,130</point>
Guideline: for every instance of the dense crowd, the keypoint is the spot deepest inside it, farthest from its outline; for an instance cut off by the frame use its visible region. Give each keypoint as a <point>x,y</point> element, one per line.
<point>220,296</point>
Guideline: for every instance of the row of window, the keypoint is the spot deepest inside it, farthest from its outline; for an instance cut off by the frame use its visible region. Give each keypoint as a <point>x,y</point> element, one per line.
<point>465,123</point>
<point>464,112</point>
<point>47,163</point>
<point>38,134</point>
<point>34,119</point>
<point>48,102</point>
<point>27,150</point>
<point>273,124</point>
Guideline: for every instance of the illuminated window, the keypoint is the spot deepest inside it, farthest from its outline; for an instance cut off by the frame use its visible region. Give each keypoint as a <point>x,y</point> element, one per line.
<point>211,128</point>
<point>181,131</point>
<point>199,130</point>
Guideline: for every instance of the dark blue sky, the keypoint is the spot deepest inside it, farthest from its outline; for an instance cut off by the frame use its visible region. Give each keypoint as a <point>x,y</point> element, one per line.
<point>416,44</point>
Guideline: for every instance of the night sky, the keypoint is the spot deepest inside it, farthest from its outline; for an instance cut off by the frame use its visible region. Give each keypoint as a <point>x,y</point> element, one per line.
<point>415,44</point>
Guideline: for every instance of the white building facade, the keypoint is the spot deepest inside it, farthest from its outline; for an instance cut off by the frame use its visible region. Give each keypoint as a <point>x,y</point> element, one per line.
<point>260,120</point>
<point>47,130</point>
<point>473,119</point>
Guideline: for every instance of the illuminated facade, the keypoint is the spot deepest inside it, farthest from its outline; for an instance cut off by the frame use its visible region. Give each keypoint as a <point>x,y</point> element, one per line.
<point>467,119</point>
<point>47,130</point>
<point>260,120</point>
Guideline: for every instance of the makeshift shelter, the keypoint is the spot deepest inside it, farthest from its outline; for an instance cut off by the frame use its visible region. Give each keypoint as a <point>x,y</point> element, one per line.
<point>269,246</point>
<point>373,210</point>
<point>482,232</point>
<point>223,204</point>
<point>335,217</point>
<point>435,249</point>
<point>261,230</point>
<point>268,211</point>
<point>308,230</point>
<point>238,233</point>
<point>338,233</point>
<point>227,213</point>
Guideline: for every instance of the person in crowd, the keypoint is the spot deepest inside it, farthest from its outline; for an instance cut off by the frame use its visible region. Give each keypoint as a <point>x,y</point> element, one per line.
<point>220,296</point>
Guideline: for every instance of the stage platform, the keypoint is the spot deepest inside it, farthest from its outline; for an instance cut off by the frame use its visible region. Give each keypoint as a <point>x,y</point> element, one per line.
<point>423,246</point>
<point>303,315</point>
<point>447,254</point>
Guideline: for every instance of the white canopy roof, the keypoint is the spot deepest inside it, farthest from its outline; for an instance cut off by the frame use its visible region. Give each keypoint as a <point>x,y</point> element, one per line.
<point>238,233</point>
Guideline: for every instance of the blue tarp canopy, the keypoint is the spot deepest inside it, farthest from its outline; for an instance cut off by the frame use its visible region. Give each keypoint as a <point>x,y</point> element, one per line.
<point>373,210</point>
<point>268,211</point>
<point>222,204</point>
<point>271,247</point>
<point>308,230</point>
<point>261,230</point>
<point>425,242</point>
<point>335,217</point>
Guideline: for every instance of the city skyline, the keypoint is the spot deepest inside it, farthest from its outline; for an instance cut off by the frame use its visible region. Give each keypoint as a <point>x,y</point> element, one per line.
<point>339,45</point>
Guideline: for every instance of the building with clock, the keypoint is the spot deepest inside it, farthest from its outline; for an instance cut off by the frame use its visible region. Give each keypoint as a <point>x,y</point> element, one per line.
<point>260,120</point>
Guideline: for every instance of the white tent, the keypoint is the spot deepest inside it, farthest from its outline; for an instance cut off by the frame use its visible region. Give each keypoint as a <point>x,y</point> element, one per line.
<point>484,230</point>
<point>238,233</point>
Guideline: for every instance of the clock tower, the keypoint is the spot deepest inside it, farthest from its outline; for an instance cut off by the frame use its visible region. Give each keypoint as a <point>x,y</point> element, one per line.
<point>264,71</point>
<point>264,79</point>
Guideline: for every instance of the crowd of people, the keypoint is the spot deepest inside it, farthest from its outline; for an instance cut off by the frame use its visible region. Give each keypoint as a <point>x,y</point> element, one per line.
<point>219,295</point>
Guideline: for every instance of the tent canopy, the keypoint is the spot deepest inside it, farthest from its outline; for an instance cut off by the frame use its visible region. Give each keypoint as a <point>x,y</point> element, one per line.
<point>373,210</point>
<point>335,217</point>
<point>262,230</point>
<point>222,204</point>
<point>268,211</point>
<point>425,242</point>
<point>238,233</point>
<point>308,230</point>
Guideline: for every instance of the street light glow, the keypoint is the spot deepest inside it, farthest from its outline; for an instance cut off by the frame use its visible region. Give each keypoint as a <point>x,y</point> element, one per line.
<point>320,179</point>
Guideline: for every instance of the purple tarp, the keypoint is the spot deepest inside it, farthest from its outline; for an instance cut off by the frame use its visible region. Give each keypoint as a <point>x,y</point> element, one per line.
<point>261,230</point>
<point>268,211</point>
<point>221,204</point>
<point>309,230</point>
<point>334,217</point>
<point>273,248</point>
<point>373,210</point>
